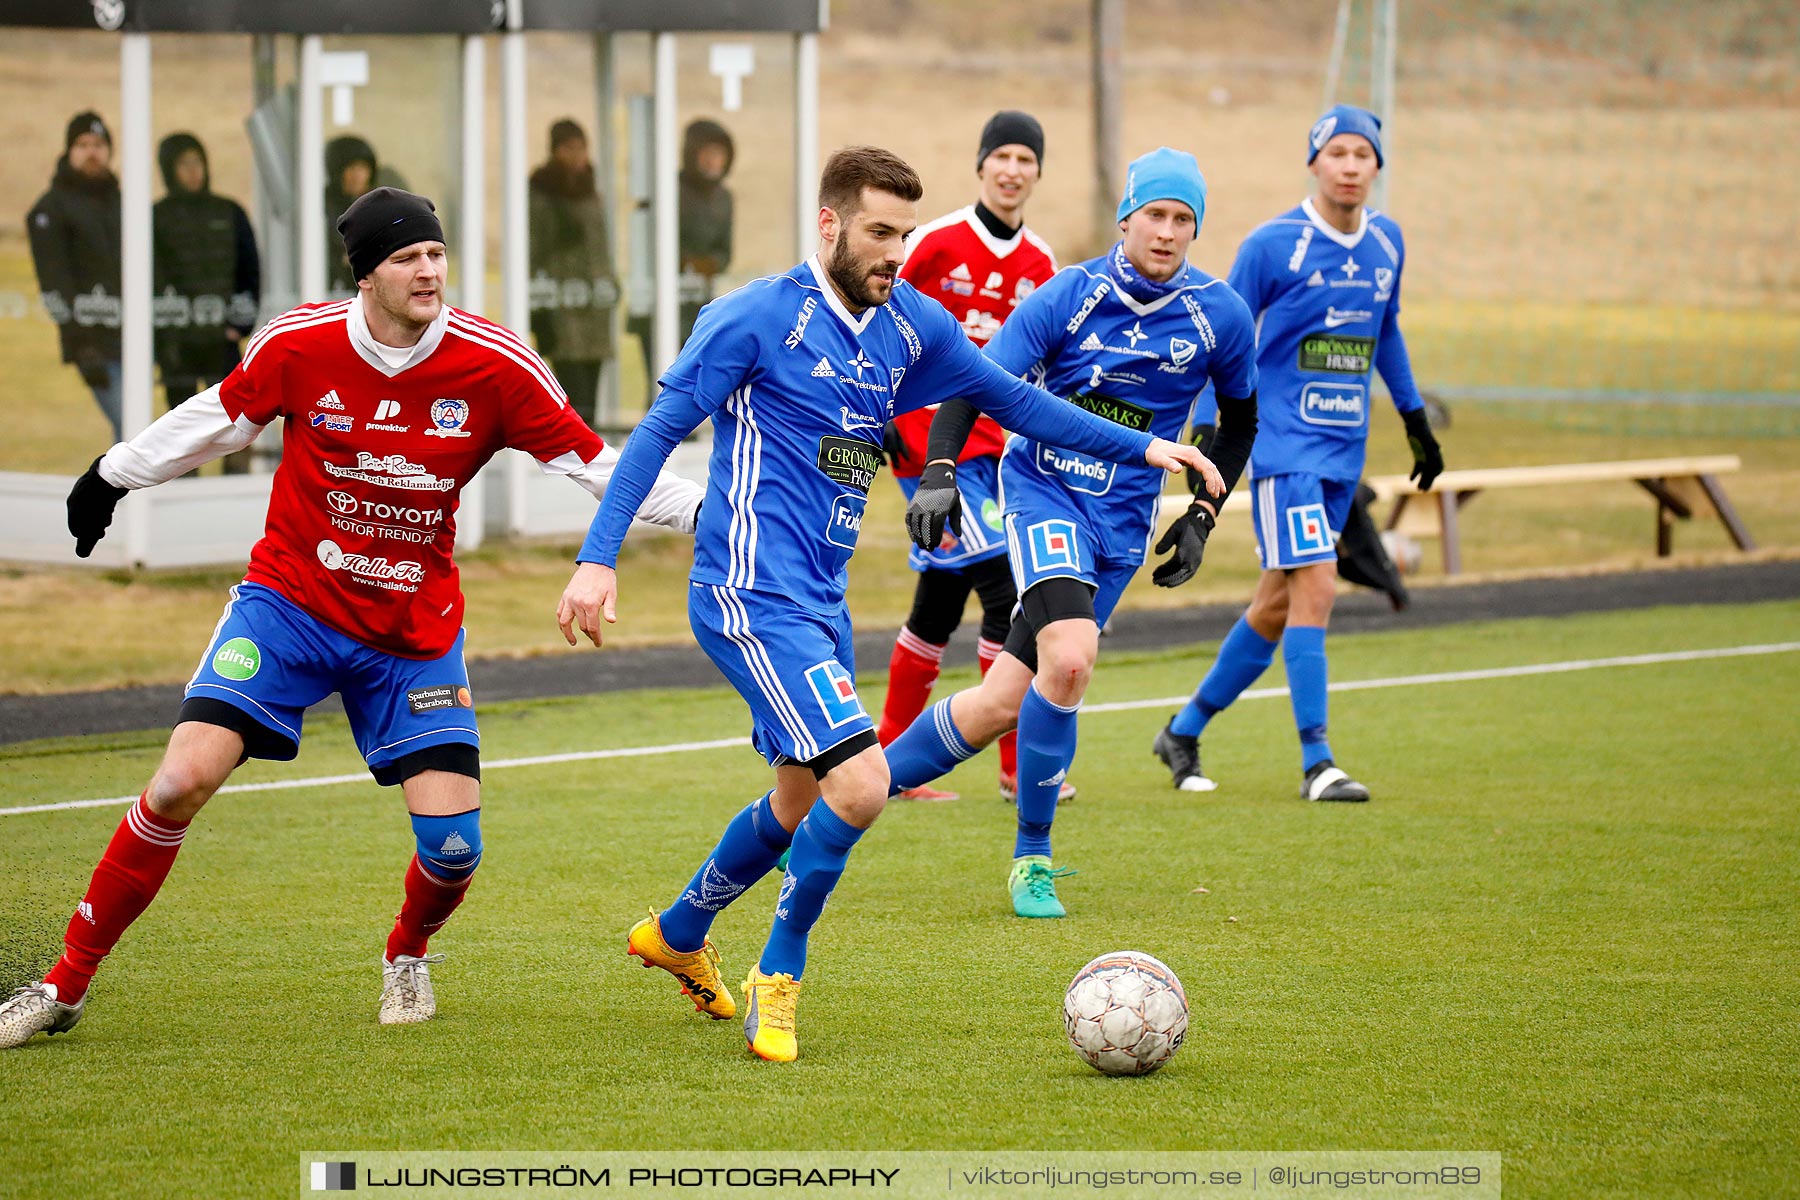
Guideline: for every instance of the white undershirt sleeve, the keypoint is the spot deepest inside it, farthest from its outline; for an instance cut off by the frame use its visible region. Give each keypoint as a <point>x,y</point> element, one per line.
<point>183,438</point>
<point>672,503</point>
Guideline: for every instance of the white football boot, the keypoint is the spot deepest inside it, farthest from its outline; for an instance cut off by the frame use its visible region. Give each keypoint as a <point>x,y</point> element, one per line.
<point>34,1009</point>
<point>406,996</point>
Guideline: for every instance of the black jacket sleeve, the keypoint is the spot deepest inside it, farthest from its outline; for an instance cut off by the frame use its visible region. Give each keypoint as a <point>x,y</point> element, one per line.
<point>950,429</point>
<point>1230,449</point>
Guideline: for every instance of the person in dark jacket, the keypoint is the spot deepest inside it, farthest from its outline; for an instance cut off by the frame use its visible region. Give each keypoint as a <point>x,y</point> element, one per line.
<point>350,170</point>
<point>573,288</point>
<point>208,278</point>
<point>707,153</point>
<point>704,206</point>
<point>74,232</point>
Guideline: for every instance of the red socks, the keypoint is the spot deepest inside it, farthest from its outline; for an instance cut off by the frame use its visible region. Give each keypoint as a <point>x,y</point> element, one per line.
<point>125,881</point>
<point>428,905</point>
<point>986,652</point>
<point>912,670</point>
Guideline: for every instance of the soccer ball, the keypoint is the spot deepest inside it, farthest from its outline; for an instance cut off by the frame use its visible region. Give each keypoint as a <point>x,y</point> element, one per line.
<point>1125,1013</point>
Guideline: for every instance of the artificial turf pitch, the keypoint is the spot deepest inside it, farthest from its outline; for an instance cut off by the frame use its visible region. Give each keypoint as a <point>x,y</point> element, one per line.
<point>1566,929</point>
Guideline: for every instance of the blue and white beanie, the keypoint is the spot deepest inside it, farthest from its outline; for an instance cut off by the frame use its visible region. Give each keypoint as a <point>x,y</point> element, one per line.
<point>1344,118</point>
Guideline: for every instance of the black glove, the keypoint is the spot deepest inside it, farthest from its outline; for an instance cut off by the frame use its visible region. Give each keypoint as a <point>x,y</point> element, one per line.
<point>91,504</point>
<point>93,367</point>
<point>1186,536</point>
<point>893,446</point>
<point>1428,458</point>
<point>937,503</point>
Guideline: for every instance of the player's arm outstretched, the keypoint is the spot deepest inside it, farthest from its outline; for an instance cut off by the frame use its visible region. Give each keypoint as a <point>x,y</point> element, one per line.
<point>187,436</point>
<point>1395,365</point>
<point>975,380</point>
<point>716,360</point>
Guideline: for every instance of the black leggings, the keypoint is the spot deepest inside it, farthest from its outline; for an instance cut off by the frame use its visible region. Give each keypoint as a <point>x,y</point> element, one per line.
<point>940,595</point>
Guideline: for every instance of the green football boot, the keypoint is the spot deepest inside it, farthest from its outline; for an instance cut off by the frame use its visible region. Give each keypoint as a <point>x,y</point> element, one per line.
<point>1033,887</point>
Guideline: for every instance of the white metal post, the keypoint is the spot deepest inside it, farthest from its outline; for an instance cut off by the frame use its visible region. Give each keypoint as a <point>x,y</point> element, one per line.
<point>310,177</point>
<point>136,358</point>
<point>806,143</point>
<point>668,167</point>
<point>1383,30</point>
<point>472,244</point>
<point>515,244</point>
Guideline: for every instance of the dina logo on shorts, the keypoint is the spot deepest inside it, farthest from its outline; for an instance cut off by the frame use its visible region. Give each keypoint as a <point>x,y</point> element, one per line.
<point>238,659</point>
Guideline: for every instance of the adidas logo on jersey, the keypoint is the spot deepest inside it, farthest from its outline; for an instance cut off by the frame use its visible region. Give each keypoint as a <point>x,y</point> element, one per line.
<point>1092,342</point>
<point>454,844</point>
<point>824,370</point>
<point>330,400</point>
<point>961,271</point>
<point>1316,279</point>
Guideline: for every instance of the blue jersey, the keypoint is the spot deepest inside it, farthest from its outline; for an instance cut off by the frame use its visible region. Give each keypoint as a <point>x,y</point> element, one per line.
<point>1140,365</point>
<point>1327,308</point>
<point>798,390</point>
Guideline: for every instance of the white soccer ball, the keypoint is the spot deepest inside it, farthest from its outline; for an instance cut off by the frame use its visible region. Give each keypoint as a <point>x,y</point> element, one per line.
<point>1125,1013</point>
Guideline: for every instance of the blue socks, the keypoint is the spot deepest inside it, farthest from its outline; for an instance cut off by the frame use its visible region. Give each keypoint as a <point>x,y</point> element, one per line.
<point>1303,649</point>
<point>930,748</point>
<point>1243,656</point>
<point>747,852</point>
<point>821,848</point>
<point>1046,748</point>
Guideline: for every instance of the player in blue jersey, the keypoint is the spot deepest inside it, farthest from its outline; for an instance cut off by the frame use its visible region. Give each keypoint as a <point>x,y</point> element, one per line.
<point>1324,281</point>
<point>799,373</point>
<point>1133,335</point>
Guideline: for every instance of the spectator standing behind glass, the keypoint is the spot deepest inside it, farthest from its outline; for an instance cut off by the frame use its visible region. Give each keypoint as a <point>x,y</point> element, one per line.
<point>351,169</point>
<point>705,206</point>
<point>74,232</point>
<point>573,288</point>
<point>208,278</point>
<point>704,238</point>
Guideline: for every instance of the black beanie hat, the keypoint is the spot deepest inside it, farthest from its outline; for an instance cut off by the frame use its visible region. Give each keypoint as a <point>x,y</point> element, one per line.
<point>1009,127</point>
<point>382,221</point>
<point>85,122</point>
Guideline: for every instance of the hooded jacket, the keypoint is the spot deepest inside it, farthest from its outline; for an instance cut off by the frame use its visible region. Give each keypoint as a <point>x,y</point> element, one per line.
<point>74,233</point>
<point>208,276</point>
<point>705,204</point>
<point>340,152</point>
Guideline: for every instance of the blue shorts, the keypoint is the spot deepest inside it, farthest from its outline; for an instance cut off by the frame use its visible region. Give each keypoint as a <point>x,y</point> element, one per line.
<point>794,668</point>
<point>271,659</point>
<point>983,533</point>
<point>1298,518</point>
<point>1044,546</point>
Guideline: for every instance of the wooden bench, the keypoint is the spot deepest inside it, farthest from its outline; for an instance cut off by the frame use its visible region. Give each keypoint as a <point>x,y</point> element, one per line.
<point>1679,486</point>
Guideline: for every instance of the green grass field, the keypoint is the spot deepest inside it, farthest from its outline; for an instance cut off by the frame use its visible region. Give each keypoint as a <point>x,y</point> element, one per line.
<point>1565,930</point>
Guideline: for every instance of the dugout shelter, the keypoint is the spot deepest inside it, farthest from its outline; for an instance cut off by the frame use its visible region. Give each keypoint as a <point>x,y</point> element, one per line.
<point>278,90</point>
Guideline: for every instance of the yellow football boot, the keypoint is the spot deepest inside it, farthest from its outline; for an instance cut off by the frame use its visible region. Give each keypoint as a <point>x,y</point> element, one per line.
<point>698,970</point>
<point>769,1021</point>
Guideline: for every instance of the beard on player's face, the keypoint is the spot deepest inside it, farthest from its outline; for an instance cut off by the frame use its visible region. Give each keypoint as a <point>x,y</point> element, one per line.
<point>865,282</point>
<point>408,287</point>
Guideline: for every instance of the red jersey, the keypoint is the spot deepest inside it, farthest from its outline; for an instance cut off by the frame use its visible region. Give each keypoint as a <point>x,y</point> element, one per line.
<point>375,454</point>
<point>980,279</point>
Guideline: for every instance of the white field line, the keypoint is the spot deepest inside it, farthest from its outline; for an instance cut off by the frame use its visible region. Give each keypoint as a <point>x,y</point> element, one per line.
<point>1349,685</point>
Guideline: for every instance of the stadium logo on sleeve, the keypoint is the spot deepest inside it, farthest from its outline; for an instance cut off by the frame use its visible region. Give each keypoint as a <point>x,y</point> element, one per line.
<point>792,340</point>
<point>1053,546</point>
<point>1300,245</point>
<point>1307,532</point>
<point>448,418</point>
<point>835,692</point>
<point>1088,305</point>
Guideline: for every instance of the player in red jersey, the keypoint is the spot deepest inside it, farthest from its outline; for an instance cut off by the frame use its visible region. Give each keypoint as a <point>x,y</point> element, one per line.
<point>980,262</point>
<point>392,401</point>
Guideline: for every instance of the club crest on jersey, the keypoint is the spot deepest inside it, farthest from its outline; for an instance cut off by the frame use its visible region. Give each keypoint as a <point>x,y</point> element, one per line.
<point>448,418</point>
<point>1307,532</point>
<point>1022,289</point>
<point>1181,351</point>
<point>1053,546</point>
<point>1384,282</point>
<point>835,692</point>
